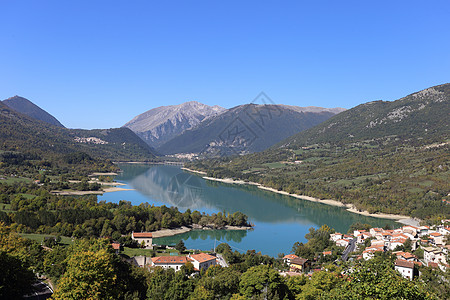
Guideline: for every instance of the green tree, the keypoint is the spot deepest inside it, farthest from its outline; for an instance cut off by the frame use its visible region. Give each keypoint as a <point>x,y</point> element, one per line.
<point>262,280</point>
<point>90,273</point>
<point>180,246</point>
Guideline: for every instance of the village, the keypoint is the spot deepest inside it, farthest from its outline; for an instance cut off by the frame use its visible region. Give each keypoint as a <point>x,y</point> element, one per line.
<point>413,246</point>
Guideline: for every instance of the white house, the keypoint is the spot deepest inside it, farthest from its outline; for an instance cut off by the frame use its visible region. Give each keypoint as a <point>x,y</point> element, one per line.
<point>166,262</point>
<point>202,261</point>
<point>437,238</point>
<point>406,268</point>
<point>145,237</point>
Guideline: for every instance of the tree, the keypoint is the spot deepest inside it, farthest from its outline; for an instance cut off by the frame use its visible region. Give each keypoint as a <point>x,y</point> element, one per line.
<point>262,280</point>
<point>15,278</point>
<point>90,273</point>
<point>180,246</point>
<point>377,279</point>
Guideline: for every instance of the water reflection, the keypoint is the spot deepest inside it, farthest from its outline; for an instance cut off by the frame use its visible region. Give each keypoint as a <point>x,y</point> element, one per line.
<point>235,236</point>
<point>173,187</point>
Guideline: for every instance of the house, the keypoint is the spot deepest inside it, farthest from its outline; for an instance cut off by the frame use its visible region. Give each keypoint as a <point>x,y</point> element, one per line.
<point>370,251</point>
<point>362,237</point>
<point>202,261</point>
<point>166,262</point>
<point>433,255</point>
<point>300,265</point>
<point>444,230</point>
<point>437,238</point>
<point>342,242</point>
<point>406,268</point>
<point>287,258</point>
<point>144,238</point>
<point>405,256</point>
<point>325,253</point>
<point>139,261</point>
<point>116,247</point>
<point>336,236</point>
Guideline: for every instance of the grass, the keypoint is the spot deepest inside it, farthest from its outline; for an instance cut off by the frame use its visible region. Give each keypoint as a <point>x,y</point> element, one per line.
<point>40,238</point>
<point>11,180</point>
<point>5,207</point>
<point>426,183</point>
<point>274,165</point>
<point>131,252</point>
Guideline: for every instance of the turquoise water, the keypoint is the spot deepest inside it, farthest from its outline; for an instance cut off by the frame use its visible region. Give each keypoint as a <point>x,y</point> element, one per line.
<point>279,220</point>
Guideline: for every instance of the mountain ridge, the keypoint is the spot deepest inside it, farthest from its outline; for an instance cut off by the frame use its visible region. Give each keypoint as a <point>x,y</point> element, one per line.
<point>259,126</point>
<point>26,107</point>
<point>160,124</point>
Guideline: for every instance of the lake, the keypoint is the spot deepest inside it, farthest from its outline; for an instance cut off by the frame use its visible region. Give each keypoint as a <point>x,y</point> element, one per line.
<point>279,220</point>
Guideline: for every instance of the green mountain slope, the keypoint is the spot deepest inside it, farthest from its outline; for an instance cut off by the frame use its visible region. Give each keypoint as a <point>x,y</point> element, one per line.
<point>390,157</point>
<point>421,115</point>
<point>30,109</point>
<point>22,133</point>
<point>243,129</point>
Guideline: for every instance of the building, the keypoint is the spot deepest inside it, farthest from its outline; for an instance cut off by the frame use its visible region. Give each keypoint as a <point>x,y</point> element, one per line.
<point>144,238</point>
<point>406,268</point>
<point>202,261</point>
<point>287,258</point>
<point>299,265</point>
<point>437,238</point>
<point>433,255</point>
<point>116,247</point>
<point>370,251</point>
<point>405,256</point>
<point>166,262</point>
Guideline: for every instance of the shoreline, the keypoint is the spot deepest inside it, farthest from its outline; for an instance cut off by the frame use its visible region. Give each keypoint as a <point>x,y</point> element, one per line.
<point>175,231</point>
<point>349,207</point>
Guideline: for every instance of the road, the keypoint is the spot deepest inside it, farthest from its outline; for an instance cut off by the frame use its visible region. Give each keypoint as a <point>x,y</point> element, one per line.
<point>221,260</point>
<point>41,291</point>
<point>350,248</point>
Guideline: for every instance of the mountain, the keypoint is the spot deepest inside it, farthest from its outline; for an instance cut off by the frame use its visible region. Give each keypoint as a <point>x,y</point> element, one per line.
<point>381,157</point>
<point>423,115</point>
<point>30,109</point>
<point>161,124</point>
<point>245,129</point>
<point>19,132</point>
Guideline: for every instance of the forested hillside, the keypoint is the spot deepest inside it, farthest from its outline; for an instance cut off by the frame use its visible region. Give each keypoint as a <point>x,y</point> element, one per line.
<point>390,157</point>
<point>24,134</point>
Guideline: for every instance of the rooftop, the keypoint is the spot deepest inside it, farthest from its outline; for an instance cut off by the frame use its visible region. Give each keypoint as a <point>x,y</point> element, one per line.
<point>142,234</point>
<point>404,263</point>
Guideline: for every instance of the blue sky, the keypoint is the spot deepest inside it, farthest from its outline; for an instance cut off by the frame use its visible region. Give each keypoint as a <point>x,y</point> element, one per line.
<point>97,64</point>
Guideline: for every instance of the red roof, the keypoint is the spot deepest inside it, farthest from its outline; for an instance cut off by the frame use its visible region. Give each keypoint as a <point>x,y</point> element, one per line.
<point>326,252</point>
<point>433,265</point>
<point>435,234</point>
<point>202,257</point>
<point>290,256</point>
<point>169,260</point>
<point>142,234</point>
<point>116,246</point>
<point>404,263</point>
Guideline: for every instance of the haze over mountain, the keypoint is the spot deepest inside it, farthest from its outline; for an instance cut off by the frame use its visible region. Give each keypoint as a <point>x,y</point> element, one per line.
<point>26,107</point>
<point>245,129</point>
<point>160,124</point>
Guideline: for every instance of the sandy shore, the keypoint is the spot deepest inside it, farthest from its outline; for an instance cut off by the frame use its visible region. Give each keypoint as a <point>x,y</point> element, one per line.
<point>349,207</point>
<point>82,193</point>
<point>103,174</point>
<point>175,231</point>
<point>193,171</point>
<point>170,232</point>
